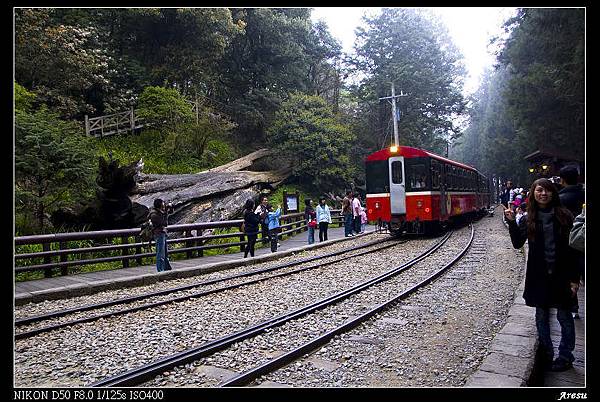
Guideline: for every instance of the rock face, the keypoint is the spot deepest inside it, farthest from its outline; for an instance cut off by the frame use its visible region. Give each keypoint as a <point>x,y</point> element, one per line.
<point>124,194</point>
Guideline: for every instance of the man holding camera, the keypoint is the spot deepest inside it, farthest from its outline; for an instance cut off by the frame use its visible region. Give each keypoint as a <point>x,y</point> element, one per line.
<point>159,215</point>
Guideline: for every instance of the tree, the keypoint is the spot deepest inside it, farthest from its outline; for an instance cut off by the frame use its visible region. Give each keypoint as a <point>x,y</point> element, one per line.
<point>413,50</point>
<point>54,164</point>
<point>63,64</point>
<point>167,111</point>
<point>545,54</point>
<point>277,54</point>
<point>306,132</point>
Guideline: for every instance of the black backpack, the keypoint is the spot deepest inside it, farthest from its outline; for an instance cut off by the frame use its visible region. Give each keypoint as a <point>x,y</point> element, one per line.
<point>146,232</point>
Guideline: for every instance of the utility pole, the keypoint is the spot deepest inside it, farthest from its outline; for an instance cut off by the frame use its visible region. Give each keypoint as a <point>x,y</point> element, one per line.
<point>394,112</point>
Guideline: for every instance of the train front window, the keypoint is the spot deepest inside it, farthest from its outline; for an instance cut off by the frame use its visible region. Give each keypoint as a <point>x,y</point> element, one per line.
<point>377,177</point>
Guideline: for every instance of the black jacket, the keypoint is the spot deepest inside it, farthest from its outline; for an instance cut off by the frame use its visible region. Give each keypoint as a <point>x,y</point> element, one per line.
<point>544,289</point>
<point>251,221</point>
<point>309,214</point>
<point>159,221</point>
<point>573,198</point>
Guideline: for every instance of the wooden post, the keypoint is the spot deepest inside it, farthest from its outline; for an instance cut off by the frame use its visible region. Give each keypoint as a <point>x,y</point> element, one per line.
<point>63,258</point>
<point>285,208</point>
<point>200,242</point>
<point>188,243</point>
<point>101,127</point>
<point>87,125</point>
<point>125,240</point>
<point>47,271</point>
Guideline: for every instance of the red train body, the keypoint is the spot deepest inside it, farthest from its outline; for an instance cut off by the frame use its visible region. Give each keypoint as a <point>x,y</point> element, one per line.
<point>416,191</point>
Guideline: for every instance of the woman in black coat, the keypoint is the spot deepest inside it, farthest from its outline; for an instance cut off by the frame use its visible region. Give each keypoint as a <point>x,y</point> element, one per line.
<point>552,278</point>
<point>251,221</point>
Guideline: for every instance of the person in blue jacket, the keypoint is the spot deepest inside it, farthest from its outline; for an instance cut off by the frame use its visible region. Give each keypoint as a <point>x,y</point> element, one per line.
<point>323,218</point>
<point>274,228</point>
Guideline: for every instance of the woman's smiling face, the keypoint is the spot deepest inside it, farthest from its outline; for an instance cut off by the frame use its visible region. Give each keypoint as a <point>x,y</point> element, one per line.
<point>542,196</point>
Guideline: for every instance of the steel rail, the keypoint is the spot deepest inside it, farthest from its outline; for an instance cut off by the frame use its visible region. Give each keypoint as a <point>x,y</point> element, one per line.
<point>28,334</point>
<point>285,359</point>
<point>148,371</point>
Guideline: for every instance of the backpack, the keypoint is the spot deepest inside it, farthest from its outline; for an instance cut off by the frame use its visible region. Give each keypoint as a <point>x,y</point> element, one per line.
<point>146,232</point>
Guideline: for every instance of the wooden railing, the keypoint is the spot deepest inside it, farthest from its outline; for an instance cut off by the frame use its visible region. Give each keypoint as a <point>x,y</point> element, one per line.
<point>121,122</point>
<point>125,245</point>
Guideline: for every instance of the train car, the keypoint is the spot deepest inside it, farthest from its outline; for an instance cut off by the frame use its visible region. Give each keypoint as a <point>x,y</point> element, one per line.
<point>415,191</point>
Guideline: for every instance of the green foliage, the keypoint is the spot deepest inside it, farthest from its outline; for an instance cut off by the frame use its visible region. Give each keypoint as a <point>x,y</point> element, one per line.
<point>279,52</point>
<point>164,108</point>
<point>306,132</point>
<point>546,57</point>
<point>24,99</point>
<point>67,66</point>
<point>54,164</point>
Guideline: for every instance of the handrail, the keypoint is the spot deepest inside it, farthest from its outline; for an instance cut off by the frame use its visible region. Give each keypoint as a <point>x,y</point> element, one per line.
<point>191,243</point>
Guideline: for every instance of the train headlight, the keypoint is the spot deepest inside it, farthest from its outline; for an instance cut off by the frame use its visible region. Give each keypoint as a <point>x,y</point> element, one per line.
<point>393,149</point>
<point>377,205</point>
<point>419,204</point>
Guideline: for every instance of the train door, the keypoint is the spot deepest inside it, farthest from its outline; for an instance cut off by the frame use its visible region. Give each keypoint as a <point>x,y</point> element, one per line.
<point>397,188</point>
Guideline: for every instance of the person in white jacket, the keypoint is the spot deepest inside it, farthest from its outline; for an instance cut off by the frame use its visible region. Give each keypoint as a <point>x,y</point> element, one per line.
<point>323,218</point>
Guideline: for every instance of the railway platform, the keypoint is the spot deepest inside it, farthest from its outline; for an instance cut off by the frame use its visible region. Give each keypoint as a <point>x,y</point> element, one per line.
<point>92,282</point>
<point>513,360</point>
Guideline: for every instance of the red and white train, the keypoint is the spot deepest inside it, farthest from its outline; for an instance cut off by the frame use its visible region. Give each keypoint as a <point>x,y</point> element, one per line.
<point>416,191</point>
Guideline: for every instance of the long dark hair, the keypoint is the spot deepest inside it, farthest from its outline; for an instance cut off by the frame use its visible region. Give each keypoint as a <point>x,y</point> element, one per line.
<point>249,205</point>
<point>562,214</point>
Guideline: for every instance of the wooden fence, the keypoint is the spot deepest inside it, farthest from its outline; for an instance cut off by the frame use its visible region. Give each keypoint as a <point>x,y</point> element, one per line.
<point>125,245</point>
<point>121,122</point>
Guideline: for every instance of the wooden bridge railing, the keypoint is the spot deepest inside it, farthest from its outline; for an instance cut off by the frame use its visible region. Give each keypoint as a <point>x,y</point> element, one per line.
<point>113,123</point>
<point>125,245</point>
<point>121,122</point>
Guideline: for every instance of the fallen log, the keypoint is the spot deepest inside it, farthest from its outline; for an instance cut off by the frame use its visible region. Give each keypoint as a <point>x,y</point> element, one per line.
<point>181,190</point>
<point>243,162</point>
<point>223,208</point>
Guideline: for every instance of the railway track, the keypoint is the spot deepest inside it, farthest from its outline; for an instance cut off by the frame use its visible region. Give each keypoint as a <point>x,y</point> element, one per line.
<point>149,371</point>
<point>253,374</point>
<point>22,322</point>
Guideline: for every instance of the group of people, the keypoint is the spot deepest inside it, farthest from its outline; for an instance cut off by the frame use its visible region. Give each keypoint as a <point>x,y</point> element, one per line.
<point>262,219</point>
<point>268,220</point>
<point>554,226</point>
<point>355,217</point>
<point>516,199</point>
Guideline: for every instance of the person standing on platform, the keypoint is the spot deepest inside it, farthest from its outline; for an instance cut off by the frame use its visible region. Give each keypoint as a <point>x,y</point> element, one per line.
<point>251,221</point>
<point>159,217</point>
<point>572,196</point>
<point>347,213</point>
<point>356,209</point>
<point>273,224</point>
<point>310,216</point>
<point>261,210</point>
<point>323,218</point>
<point>505,196</point>
<point>552,278</point>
